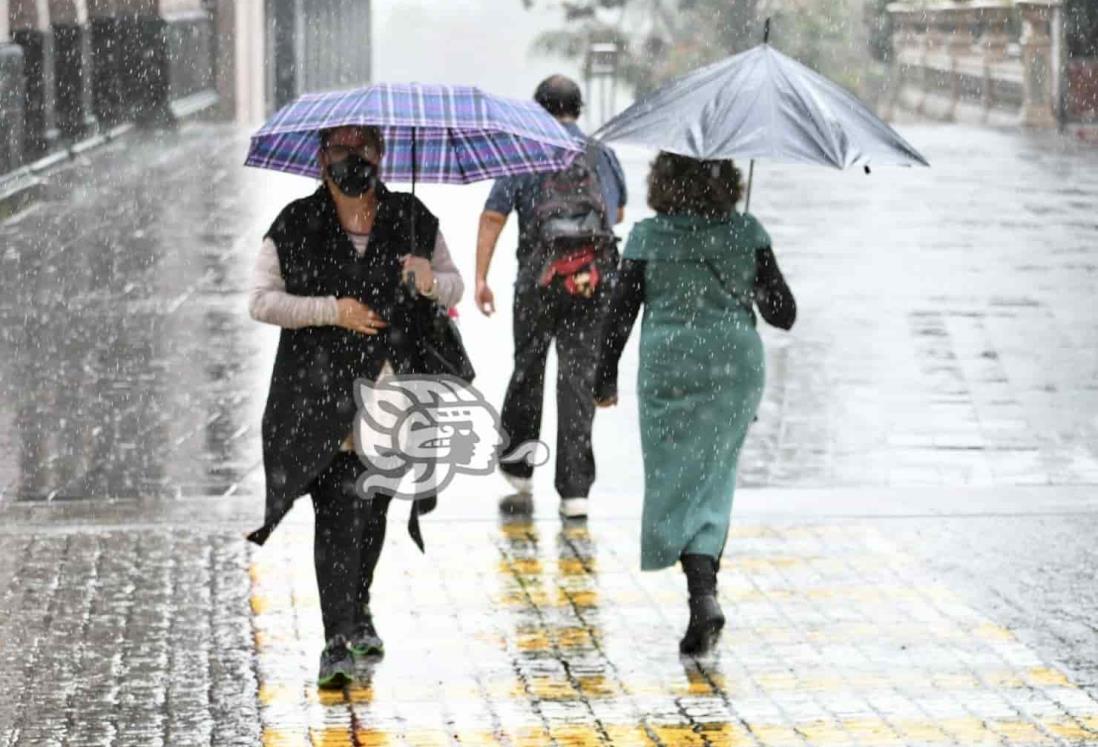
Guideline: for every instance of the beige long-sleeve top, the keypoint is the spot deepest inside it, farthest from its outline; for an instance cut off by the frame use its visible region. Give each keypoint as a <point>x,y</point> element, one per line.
<point>269,302</point>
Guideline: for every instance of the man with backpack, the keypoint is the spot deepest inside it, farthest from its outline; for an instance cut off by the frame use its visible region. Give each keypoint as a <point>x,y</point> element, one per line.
<point>567,257</point>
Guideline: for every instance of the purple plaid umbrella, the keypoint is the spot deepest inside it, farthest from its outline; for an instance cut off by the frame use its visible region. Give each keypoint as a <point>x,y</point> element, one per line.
<point>433,133</point>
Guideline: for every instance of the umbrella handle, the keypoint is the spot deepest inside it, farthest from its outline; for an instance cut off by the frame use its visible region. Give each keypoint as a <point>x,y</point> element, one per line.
<point>413,211</point>
<point>751,168</point>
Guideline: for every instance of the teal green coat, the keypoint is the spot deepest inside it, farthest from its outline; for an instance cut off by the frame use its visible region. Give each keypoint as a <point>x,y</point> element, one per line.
<point>700,378</point>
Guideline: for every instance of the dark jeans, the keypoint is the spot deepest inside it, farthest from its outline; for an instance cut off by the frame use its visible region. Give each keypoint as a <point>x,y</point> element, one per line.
<point>349,534</point>
<point>540,316</point>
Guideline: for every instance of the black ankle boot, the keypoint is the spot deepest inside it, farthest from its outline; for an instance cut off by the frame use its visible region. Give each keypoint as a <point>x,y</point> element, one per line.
<point>706,617</point>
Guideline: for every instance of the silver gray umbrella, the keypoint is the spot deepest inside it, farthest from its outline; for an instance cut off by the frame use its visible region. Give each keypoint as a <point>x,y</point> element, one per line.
<point>760,104</point>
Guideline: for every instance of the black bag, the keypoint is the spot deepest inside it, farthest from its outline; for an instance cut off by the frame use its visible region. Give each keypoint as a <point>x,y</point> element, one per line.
<point>439,344</point>
<point>436,339</point>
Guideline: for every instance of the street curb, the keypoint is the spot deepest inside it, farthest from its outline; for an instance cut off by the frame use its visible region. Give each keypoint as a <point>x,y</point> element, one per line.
<point>243,512</point>
<point>18,189</point>
<point>23,187</point>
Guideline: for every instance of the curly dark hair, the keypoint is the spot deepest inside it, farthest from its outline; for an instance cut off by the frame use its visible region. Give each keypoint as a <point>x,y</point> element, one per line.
<point>683,185</point>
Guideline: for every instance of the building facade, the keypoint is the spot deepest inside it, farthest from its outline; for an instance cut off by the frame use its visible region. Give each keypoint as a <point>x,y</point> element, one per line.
<point>70,69</point>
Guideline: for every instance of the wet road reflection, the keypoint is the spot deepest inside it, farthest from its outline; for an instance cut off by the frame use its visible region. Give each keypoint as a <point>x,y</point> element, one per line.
<point>943,339</point>
<point>128,359</point>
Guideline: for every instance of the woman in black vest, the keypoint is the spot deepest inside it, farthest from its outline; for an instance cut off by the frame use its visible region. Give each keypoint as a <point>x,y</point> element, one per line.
<point>330,274</point>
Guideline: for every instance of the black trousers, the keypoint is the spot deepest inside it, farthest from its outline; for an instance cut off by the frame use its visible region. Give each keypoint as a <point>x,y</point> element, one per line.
<point>540,316</point>
<point>350,532</point>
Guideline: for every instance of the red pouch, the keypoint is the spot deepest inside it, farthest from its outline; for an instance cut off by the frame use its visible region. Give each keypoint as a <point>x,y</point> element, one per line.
<point>578,268</point>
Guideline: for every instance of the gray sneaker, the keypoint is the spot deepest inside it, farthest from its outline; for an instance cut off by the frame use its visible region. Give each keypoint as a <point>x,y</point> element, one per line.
<point>337,668</point>
<point>366,641</point>
<point>517,504</point>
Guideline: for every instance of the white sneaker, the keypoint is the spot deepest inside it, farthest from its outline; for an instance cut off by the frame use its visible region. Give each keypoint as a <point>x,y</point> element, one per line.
<point>573,508</point>
<point>524,485</point>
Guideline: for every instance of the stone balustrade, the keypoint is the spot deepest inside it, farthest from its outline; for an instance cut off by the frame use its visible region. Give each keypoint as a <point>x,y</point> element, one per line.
<point>965,61</point>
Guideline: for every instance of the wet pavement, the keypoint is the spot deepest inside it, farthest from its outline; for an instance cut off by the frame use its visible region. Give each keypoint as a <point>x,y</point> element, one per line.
<point>842,631</point>
<point>911,560</point>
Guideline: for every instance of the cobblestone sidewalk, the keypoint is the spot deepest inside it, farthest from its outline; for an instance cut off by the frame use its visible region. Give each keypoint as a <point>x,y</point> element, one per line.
<point>841,632</point>
<point>529,633</point>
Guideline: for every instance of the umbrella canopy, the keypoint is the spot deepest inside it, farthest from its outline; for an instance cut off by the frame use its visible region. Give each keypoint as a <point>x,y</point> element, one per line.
<point>461,134</point>
<point>760,104</point>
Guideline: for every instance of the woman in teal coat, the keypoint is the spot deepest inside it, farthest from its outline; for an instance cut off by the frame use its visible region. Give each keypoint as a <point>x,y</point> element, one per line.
<point>700,268</point>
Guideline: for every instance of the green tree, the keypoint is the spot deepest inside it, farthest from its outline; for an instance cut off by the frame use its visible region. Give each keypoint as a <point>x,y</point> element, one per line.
<point>659,39</point>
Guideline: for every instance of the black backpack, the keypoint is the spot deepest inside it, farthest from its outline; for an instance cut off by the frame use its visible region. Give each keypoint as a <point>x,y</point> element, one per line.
<point>570,218</point>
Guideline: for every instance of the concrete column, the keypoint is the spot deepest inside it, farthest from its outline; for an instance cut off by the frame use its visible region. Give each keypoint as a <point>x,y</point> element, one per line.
<point>959,46</point>
<point>72,67</point>
<point>30,29</point>
<point>191,49</point>
<point>994,42</point>
<point>224,34</point>
<point>143,62</point>
<point>285,49</point>
<point>933,47</point>
<point>900,41</point>
<point>12,96</point>
<point>1040,74</point>
<point>106,62</point>
<point>908,54</point>
<point>242,69</point>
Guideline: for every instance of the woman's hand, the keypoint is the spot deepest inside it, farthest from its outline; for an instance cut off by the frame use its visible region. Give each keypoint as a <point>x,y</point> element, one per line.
<point>358,317</point>
<point>606,401</point>
<point>421,267</point>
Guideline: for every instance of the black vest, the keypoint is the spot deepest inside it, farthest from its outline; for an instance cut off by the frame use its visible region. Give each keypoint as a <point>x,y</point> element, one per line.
<point>311,407</point>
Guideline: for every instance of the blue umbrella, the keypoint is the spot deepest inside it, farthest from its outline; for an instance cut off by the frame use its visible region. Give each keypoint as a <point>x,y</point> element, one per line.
<point>433,133</point>
<point>761,104</point>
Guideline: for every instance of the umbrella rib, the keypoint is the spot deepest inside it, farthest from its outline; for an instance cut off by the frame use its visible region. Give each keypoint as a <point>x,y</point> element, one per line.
<point>823,138</point>
<point>773,107</point>
<point>456,152</point>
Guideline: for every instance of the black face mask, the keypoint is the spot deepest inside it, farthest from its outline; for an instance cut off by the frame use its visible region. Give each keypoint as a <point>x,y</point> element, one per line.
<point>354,175</point>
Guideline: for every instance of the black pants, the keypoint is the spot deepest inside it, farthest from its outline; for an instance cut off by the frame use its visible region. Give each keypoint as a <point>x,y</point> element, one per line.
<point>349,534</point>
<point>540,315</point>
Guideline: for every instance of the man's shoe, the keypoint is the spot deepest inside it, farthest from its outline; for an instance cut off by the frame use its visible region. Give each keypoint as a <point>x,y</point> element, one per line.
<point>337,669</point>
<point>366,641</point>
<point>522,485</point>
<point>706,623</point>
<point>573,508</point>
<point>519,504</point>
